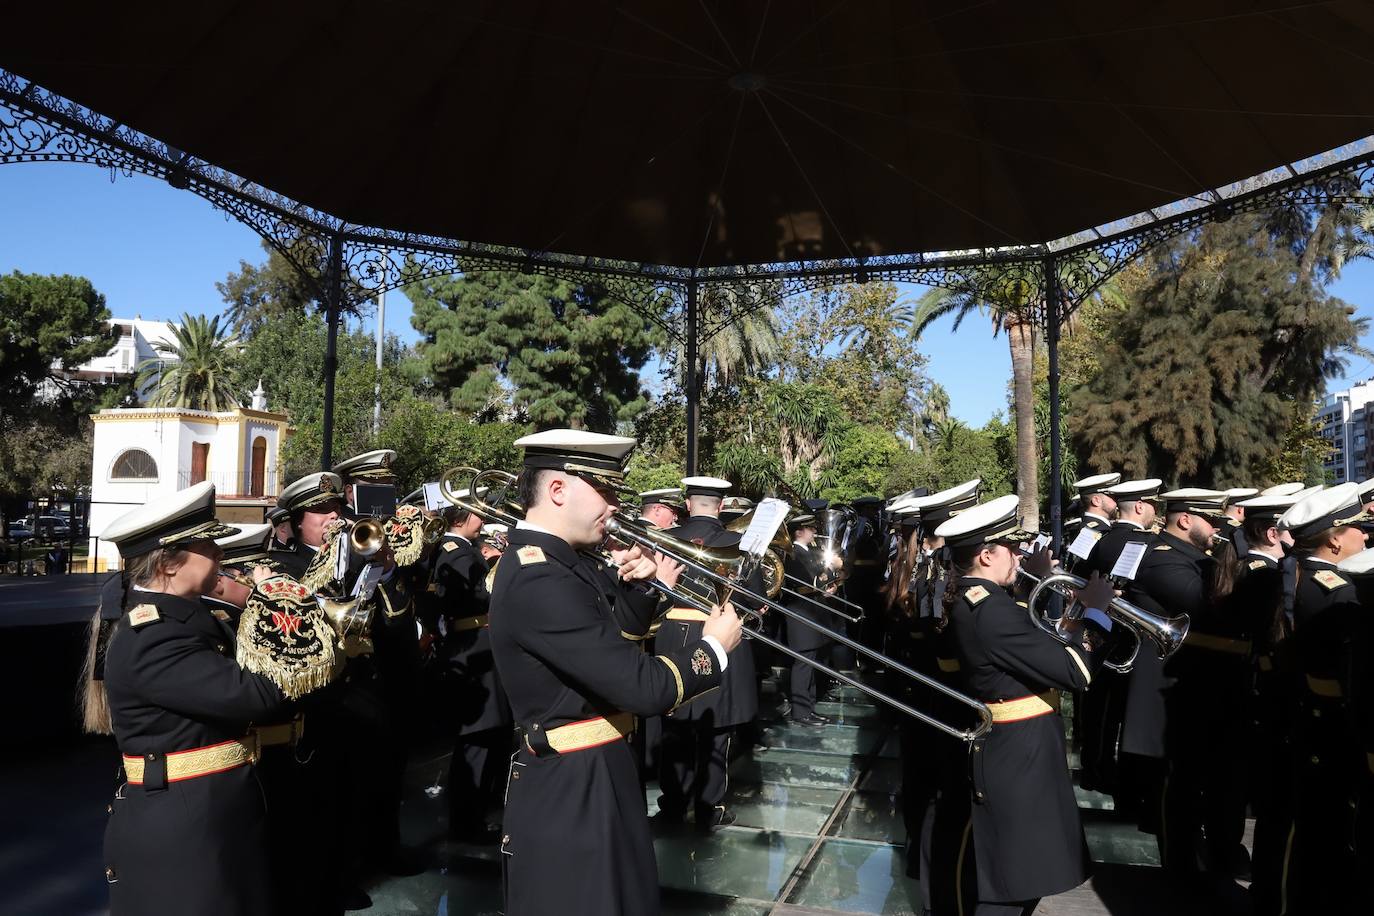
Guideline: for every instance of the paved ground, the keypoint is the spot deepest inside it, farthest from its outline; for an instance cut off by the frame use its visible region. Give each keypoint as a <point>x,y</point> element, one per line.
<point>41,600</point>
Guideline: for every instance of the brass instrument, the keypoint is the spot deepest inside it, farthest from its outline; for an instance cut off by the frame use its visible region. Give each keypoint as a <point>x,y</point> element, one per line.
<point>725,569</point>
<point>1167,633</point>
<point>776,577</point>
<point>366,537</point>
<point>726,572</point>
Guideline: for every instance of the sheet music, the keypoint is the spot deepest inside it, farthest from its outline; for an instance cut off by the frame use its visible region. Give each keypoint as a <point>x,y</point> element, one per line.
<point>768,515</point>
<point>1083,544</point>
<point>434,498</point>
<point>1129,561</point>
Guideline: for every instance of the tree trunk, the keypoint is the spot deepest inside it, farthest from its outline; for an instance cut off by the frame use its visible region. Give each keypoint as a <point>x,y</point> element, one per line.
<point>1020,337</point>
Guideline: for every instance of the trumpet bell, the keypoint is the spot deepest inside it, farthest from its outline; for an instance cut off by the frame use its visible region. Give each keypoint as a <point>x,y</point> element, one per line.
<point>366,537</point>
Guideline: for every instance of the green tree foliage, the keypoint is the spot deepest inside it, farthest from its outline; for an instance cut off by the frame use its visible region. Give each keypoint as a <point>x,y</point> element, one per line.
<point>558,353</point>
<point>287,355</point>
<point>200,373</point>
<point>748,347</point>
<point>260,293</point>
<point>46,320</point>
<point>430,440</point>
<point>1230,337</point>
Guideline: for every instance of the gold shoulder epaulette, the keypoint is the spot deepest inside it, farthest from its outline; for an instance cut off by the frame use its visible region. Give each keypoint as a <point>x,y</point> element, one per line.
<point>1258,564</point>
<point>975,594</point>
<point>143,614</point>
<point>450,545</point>
<point>530,553</point>
<point>1328,579</point>
<point>1163,547</point>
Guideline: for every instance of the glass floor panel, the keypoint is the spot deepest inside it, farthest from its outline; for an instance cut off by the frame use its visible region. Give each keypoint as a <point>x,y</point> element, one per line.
<point>852,876</point>
<point>1117,843</point>
<point>873,816</point>
<point>828,739</point>
<point>732,862</point>
<point>772,806</point>
<point>800,768</point>
<point>884,776</point>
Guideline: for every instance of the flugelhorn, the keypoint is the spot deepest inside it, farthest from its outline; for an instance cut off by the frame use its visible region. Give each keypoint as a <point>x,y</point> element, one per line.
<point>1166,633</point>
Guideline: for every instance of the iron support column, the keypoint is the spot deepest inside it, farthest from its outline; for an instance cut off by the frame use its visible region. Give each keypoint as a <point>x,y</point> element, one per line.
<point>1056,445</point>
<point>333,315</point>
<point>693,382</point>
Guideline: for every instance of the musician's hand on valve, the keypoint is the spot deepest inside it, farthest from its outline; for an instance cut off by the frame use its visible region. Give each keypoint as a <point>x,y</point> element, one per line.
<point>1098,593</point>
<point>725,625</point>
<point>262,574</point>
<point>669,570</point>
<point>1039,562</point>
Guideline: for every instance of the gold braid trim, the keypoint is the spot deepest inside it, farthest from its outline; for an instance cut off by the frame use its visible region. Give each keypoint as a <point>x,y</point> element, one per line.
<point>677,676</point>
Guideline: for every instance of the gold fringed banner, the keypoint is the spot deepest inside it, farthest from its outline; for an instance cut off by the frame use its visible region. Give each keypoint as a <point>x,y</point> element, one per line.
<point>284,636</point>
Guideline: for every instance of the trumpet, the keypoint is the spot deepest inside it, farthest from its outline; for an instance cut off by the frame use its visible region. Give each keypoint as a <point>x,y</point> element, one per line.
<point>726,572</point>
<point>1167,633</point>
<point>776,577</point>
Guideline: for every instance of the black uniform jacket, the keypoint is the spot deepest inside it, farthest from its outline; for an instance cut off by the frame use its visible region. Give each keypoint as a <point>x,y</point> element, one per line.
<point>1026,830</point>
<point>806,563</point>
<point>191,845</point>
<point>1172,579</point>
<point>1108,548</point>
<point>460,588</point>
<point>576,835</point>
<point>737,701</point>
<point>1327,618</point>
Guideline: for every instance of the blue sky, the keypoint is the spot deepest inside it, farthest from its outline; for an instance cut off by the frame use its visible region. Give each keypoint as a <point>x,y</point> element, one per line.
<point>157,252</point>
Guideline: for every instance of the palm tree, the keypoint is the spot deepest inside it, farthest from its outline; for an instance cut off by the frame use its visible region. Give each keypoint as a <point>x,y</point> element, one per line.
<point>746,347</point>
<point>199,378</point>
<point>1011,309</point>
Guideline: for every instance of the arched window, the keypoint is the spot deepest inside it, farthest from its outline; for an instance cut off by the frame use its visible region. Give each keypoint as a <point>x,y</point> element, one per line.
<point>134,464</point>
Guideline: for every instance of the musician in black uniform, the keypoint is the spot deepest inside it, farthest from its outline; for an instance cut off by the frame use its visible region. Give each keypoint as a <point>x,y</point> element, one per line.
<point>1207,704</point>
<point>576,837</point>
<point>478,704</point>
<point>303,881</point>
<point>1359,686</point>
<point>935,799</point>
<point>280,520</point>
<point>1094,495</point>
<point>186,828</point>
<point>1267,750</point>
<point>807,564</point>
<point>353,743</point>
<point>661,509</point>
<point>1104,702</point>
<point>1235,517</point>
<point>694,757</point>
<point>1174,578</point>
<point>1327,613</point>
<point>1026,832</point>
<point>868,559</point>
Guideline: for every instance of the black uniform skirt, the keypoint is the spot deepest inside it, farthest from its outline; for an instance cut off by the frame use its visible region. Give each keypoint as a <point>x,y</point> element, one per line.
<point>577,836</point>
<point>197,846</point>
<point>1026,831</point>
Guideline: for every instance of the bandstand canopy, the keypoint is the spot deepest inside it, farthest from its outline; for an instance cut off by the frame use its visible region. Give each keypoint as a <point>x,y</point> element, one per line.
<point>721,132</point>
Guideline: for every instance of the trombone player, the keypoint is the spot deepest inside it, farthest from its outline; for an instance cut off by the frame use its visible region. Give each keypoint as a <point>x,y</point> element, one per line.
<point>808,565</point>
<point>576,839</point>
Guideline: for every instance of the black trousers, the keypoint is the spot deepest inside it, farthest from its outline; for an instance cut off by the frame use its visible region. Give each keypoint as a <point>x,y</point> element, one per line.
<point>1100,710</point>
<point>802,686</point>
<point>476,777</point>
<point>1207,778</point>
<point>694,763</point>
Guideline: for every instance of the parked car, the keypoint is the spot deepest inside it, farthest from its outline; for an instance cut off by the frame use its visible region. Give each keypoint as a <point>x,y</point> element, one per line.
<point>52,528</point>
<point>20,532</point>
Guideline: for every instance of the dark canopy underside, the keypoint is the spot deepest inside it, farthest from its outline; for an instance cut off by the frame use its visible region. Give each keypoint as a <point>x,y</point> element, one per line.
<point>722,132</point>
